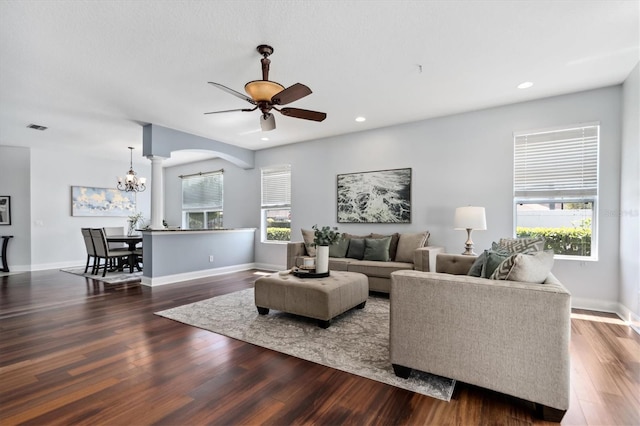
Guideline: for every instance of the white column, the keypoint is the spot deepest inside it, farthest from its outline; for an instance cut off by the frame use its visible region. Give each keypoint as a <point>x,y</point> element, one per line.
<point>157,193</point>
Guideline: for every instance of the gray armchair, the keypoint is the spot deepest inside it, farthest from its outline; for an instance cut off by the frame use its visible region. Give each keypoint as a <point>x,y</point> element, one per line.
<point>511,337</point>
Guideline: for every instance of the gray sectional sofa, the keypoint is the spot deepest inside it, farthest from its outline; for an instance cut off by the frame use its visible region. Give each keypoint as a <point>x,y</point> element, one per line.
<point>408,251</point>
<point>508,336</point>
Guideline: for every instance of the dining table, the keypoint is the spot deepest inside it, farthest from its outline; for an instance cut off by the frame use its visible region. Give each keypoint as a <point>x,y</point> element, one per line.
<point>131,241</point>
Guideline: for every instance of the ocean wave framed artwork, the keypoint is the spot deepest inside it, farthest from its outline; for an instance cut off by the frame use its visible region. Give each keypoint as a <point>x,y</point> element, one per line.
<point>88,201</point>
<point>382,196</point>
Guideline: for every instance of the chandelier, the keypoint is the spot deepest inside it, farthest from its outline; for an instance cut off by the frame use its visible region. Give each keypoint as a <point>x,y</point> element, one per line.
<point>131,182</point>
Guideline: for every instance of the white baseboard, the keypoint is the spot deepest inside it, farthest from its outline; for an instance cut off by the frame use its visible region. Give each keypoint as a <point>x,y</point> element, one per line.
<point>594,305</point>
<point>629,317</point>
<point>172,279</point>
<point>59,265</point>
<point>268,267</point>
<point>19,268</point>
<point>625,314</point>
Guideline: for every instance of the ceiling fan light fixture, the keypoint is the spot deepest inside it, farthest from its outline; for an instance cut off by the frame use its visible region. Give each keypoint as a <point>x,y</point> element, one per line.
<point>268,95</point>
<point>262,90</point>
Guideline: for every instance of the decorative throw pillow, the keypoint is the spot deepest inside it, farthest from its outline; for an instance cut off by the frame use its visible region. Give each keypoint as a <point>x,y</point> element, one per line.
<point>339,248</point>
<point>476,268</point>
<point>522,245</point>
<point>308,236</point>
<point>492,260</point>
<point>377,249</point>
<point>530,268</point>
<point>502,271</point>
<point>393,246</point>
<point>356,248</point>
<point>408,243</point>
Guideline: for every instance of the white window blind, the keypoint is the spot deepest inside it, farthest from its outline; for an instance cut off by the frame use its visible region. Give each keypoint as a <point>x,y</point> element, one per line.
<point>276,186</point>
<point>202,191</point>
<point>558,163</point>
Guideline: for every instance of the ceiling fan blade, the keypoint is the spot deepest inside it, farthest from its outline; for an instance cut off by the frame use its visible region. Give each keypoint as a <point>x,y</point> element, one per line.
<point>305,114</point>
<point>267,122</point>
<point>290,94</point>
<point>232,110</point>
<point>233,92</point>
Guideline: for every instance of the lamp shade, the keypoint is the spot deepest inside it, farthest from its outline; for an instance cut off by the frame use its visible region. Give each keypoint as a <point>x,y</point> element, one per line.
<point>470,218</point>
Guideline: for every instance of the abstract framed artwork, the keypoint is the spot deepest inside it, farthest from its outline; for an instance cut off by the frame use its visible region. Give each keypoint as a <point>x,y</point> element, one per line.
<point>88,201</point>
<point>5,210</point>
<point>382,196</point>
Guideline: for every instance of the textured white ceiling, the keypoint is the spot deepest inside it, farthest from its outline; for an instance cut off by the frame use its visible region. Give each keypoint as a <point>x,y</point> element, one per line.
<point>95,71</point>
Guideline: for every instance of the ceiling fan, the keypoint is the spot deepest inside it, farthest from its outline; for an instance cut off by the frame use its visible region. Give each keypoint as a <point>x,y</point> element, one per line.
<point>267,95</point>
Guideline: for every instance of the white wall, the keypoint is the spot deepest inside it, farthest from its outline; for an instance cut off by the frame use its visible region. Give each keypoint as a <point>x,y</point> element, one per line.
<point>629,212</point>
<point>15,182</point>
<point>55,239</point>
<point>456,161</point>
<point>241,193</point>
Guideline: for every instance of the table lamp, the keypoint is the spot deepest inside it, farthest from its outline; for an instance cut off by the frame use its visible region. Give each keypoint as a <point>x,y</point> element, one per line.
<point>470,218</point>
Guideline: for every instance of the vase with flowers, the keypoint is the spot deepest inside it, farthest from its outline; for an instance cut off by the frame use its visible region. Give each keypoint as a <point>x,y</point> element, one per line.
<point>133,221</point>
<point>322,239</point>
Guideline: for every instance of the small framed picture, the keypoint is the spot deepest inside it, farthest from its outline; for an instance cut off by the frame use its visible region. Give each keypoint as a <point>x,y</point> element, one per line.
<point>5,210</point>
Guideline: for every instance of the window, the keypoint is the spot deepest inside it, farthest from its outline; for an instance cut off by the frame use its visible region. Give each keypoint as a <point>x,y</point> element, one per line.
<point>202,201</point>
<point>556,189</point>
<point>276,203</point>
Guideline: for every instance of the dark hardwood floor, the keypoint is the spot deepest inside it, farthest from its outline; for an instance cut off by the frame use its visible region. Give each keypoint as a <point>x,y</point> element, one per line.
<point>74,351</point>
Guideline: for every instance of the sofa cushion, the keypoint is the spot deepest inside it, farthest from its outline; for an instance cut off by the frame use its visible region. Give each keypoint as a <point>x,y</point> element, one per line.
<point>308,236</point>
<point>393,246</point>
<point>347,235</point>
<point>531,268</point>
<point>408,243</point>
<point>339,248</point>
<point>378,269</point>
<point>522,245</point>
<point>377,249</point>
<point>356,248</point>
<point>339,263</point>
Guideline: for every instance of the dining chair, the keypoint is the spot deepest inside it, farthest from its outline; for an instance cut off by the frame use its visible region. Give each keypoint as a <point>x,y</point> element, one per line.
<point>91,250</point>
<point>115,230</point>
<point>102,251</point>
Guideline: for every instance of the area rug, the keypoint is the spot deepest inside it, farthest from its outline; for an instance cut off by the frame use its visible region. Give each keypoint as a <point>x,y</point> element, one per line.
<point>115,277</point>
<point>356,342</point>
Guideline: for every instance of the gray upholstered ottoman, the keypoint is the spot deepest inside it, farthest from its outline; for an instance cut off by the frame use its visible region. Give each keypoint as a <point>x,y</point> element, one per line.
<point>318,298</point>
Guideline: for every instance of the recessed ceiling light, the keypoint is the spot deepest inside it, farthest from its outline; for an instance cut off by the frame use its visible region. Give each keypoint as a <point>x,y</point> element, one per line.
<point>264,139</point>
<point>525,85</point>
<point>360,119</point>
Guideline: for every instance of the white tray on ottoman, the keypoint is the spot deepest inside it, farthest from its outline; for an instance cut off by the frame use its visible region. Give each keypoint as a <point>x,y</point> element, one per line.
<point>318,298</point>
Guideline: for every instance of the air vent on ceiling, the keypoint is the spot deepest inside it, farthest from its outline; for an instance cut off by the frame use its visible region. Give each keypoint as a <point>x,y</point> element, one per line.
<point>36,127</point>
